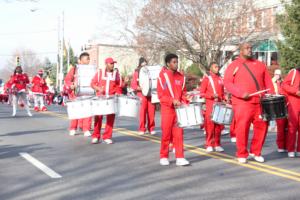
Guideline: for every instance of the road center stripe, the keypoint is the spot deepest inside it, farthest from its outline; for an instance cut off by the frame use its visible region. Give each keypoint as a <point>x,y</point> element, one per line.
<point>40,165</point>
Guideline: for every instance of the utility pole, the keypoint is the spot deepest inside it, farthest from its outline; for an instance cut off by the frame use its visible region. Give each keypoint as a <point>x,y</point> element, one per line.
<point>61,75</point>
<point>68,55</point>
<point>58,49</point>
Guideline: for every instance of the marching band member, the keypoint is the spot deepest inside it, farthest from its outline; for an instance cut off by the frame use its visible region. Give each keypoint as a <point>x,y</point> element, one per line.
<point>233,122</point>
<point>244,76</point>
<point>282,124</point>
<point>291,85</point>
<point>106,82</point>
<point>147,109</point>
<point>19,82</point>
<point>70,85</point>
<point>38,89</point>
<point>212,89</point>
<point>171,93</point>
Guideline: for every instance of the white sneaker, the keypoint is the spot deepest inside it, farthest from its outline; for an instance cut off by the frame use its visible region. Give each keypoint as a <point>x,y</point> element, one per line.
<point>242,160</point>
<point>152,133</point>
<point>14,114</point>
<point>281,150</point>
<point>29,114</point>
<point>219,149</point>
<point>95,141</point>
<point>141,133</point>
<point>182,162</point>
<point>209,149</point>
<point>108,141</point>
<point>225,132</point>
<point>87,134</point>
<point>233,139</point>
<point>72,133</point>
<point>259,159</point>
<point>164,162</point>
<point>291,154</point>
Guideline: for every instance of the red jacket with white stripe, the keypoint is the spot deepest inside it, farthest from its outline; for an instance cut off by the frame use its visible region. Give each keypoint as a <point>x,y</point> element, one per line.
<point>207,90</point>
<point>110,82</point>
<point>135,83</point>
<point>172,89</point>
<point>291,85</point>
<point>238,80</point>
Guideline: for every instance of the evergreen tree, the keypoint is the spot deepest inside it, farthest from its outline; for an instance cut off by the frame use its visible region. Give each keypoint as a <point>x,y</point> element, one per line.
<point>289,48</point>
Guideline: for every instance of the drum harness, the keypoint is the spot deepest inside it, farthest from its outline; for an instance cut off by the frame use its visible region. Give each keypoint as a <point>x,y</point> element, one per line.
<point>255,81</point>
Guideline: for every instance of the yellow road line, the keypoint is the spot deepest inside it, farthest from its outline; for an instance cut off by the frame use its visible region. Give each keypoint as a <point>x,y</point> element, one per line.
<point>232,157</point>
<point>292,175</point>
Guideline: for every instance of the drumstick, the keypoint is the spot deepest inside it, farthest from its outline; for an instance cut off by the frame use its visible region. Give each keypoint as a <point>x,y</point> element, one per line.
<point>259,92</point>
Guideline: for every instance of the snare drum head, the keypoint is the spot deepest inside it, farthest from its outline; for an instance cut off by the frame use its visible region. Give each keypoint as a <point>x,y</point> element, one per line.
<point>144,81</point>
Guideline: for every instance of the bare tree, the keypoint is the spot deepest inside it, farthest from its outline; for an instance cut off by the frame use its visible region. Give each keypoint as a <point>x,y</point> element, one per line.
<point>28,60</point>
<point>196,29</point>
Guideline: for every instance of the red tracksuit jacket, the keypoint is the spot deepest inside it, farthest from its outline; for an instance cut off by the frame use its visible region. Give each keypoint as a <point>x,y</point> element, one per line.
<point>135,83</point>
<point>115,83</point>
<point>291,85</point>
<point>177,82</point>
<point>206,89</point>
<point>238,81</point>
<point>70,79</point>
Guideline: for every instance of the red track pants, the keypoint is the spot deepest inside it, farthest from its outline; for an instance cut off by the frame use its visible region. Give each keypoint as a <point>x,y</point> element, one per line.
<point>245,114</point>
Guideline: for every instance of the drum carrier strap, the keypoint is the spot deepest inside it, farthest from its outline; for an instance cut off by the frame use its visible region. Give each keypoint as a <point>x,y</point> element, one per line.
<point>253,77</point>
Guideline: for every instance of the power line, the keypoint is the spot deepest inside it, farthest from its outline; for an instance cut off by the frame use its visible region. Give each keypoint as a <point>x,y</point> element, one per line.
<point>29,54</point>
<point>26,33</point>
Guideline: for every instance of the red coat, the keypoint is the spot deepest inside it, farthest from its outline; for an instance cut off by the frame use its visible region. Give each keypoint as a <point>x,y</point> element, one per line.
<point>206,89</point>
<point>19,81</point>
<point>238,80</point>
<point>291,85</point>
<point>135,83</point>
<point>39,85</point>
<point>70,79</point>
<point>177,81</point>
<point>114,85</point>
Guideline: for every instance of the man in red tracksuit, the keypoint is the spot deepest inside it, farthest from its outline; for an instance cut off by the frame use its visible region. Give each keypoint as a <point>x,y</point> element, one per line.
<point>38,88</point>
<point>171,93</point>
<point>282,124</point>
<point>291,85</point>
<point>106,82</point>
<point>212,89</point>
<point>70,81</point>
<point>147,109</point>
<point>247,109</point>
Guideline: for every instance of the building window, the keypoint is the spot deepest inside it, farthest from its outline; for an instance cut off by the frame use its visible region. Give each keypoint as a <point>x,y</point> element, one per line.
<point>251,22</point>
<point>263,19</point>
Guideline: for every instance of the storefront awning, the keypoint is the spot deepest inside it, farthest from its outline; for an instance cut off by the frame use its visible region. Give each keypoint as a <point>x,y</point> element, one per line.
<point>265,46</point>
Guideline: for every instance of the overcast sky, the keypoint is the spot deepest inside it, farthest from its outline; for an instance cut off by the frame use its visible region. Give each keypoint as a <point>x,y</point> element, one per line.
<point>34,25</point>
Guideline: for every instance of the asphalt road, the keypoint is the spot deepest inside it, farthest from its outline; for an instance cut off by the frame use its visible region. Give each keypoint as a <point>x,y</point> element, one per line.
<point>129,169</point>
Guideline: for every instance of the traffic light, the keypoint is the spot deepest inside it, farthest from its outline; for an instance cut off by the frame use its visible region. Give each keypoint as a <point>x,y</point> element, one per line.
<point>18,61</point>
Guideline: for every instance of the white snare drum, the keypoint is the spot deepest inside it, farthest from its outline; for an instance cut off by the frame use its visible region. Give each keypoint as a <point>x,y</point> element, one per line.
<point>189,115</point>
<point>196,97</point>
<point>148,76</point>
<point>128,106</point>
<point>154,97</point>
<point>104,105</point>
<point>85,74</point>
<point>79,108</point>
<point>222,114</point>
